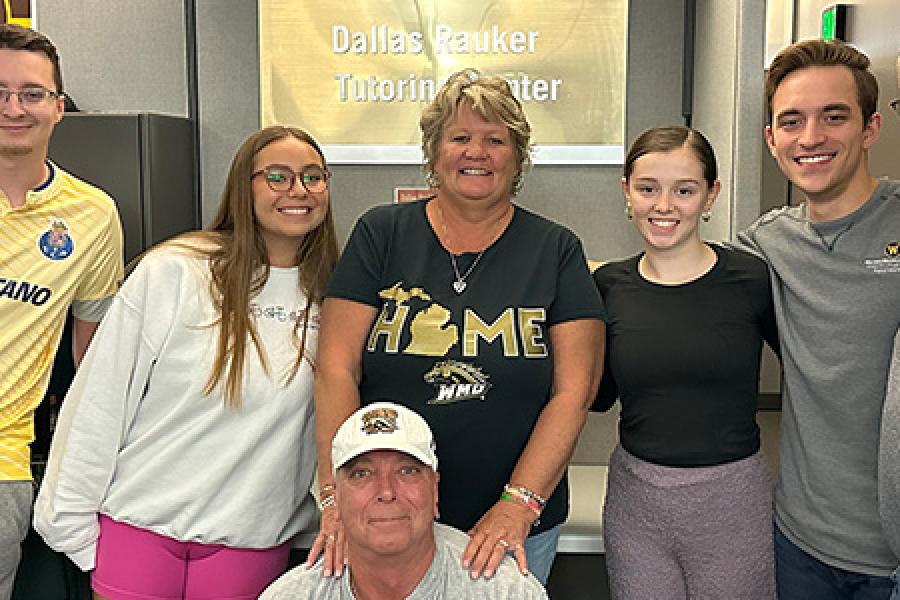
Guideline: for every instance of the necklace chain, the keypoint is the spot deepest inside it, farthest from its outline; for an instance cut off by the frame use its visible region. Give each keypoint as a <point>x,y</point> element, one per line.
<point>459,284</point>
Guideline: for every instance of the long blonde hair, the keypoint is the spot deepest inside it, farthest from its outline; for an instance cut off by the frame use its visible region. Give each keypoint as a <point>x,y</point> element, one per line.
<point>239,265</point>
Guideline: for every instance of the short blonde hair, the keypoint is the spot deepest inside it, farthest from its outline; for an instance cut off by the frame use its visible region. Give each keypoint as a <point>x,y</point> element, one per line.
<point>492,97</point>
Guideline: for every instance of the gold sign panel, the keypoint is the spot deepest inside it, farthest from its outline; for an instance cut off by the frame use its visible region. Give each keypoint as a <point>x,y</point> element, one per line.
<point>357,74</point>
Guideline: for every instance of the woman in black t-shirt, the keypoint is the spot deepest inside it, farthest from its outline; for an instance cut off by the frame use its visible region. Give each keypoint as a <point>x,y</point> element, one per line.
<point>479,315</point>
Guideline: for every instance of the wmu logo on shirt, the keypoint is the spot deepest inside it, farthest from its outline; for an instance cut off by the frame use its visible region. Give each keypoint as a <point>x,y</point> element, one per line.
<point>889,263</point>
<point>456,381</point>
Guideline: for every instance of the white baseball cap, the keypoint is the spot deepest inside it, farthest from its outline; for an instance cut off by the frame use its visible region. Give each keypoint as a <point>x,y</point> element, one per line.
<point>383,426</point>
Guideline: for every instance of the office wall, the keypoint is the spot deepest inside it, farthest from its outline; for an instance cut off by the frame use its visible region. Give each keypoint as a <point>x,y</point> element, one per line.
<point>228,88</point>
<point>729,108</point>
<point>728,67</point>
<point>587,199</point>
<point>122,56</point>
<point>131,55</point>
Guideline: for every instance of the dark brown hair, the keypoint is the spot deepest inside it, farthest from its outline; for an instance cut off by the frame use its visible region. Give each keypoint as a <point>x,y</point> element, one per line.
<point>16,37</point>
<point>819,53</point>
<point>669,138</point>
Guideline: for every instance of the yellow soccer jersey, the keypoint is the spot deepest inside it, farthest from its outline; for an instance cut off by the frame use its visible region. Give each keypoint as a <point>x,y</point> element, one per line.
<point>63,244</point>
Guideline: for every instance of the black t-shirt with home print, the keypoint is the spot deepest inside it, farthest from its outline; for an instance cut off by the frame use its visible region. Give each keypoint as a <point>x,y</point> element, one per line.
<point>478,364</point>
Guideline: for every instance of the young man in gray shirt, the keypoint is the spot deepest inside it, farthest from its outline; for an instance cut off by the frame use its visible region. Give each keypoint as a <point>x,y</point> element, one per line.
<point>385,491</point>
<point>836,282</point>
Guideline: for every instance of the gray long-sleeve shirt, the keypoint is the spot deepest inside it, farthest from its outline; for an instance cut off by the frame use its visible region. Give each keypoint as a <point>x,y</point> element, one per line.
<point>836,287</point>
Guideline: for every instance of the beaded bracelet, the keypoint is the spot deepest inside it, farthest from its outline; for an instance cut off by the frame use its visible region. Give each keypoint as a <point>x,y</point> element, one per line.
<point>523,501</point>
<point>326,495</point>
<point>528,499</point>
<point>524,491</point>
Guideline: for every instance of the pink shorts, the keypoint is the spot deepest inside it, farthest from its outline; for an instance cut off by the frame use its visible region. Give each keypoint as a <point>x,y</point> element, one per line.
<point>136,564</point>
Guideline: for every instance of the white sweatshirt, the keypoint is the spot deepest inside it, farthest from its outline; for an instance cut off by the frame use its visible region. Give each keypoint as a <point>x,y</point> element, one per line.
<point>139,442</point>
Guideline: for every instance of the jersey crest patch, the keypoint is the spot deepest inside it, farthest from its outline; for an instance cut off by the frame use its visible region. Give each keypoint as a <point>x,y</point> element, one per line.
<point>456,381</point>
<point>56,243</point>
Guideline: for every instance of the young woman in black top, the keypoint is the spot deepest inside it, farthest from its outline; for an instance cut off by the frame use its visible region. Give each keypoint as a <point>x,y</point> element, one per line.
<point>688,511</point>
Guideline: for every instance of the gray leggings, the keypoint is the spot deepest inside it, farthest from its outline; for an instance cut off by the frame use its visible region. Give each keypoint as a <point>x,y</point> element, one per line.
<point>15,515</point>
<point>702,533</point>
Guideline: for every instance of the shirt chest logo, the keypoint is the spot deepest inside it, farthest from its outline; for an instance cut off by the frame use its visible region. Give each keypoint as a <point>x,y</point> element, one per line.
<point>889,263</point>
<point>431,331</point>
<point>56,243</point>
<point>455,381</point>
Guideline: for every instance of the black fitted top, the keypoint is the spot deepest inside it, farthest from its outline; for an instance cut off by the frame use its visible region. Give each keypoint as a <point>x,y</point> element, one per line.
<point>684,359</point>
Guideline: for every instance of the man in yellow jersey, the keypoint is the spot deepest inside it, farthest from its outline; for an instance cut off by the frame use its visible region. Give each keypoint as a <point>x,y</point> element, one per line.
<point>60,246</point>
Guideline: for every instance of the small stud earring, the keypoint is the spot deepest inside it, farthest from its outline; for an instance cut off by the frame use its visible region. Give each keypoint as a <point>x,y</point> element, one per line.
<point>628,214</point>
<point>706,216</point>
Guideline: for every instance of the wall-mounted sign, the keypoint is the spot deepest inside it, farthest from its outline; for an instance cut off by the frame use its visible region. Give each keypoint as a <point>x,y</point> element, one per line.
<point>358,75</point>
<point>834,22</point>
<point>17,12</point>
<point>411,193</point>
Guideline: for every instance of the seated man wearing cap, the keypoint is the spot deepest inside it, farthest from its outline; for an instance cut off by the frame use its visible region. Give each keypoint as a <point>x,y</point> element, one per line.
<point>386,496</point>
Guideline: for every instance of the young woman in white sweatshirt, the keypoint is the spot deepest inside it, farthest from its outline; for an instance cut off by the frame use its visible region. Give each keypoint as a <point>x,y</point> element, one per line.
<point>184,453</point>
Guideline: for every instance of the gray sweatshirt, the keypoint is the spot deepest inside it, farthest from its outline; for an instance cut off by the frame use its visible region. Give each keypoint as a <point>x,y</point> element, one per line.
<point>836,287</point>
<point>445,578</point>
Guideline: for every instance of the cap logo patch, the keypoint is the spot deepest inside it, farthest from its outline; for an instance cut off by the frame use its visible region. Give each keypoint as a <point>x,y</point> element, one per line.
<point>380,420</point>
<point>892,249</point>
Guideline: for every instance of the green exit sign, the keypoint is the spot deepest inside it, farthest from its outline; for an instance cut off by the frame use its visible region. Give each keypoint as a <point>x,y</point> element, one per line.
<point>834,22</point>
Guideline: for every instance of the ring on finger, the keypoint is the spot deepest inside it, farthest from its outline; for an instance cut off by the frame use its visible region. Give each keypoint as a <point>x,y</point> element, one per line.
<point>329,537</point>
<point>503,543</point>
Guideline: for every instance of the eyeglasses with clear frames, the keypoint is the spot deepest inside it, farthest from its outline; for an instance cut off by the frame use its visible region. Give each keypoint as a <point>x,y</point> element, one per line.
<point>281,178</point>
<point>32,96</point>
